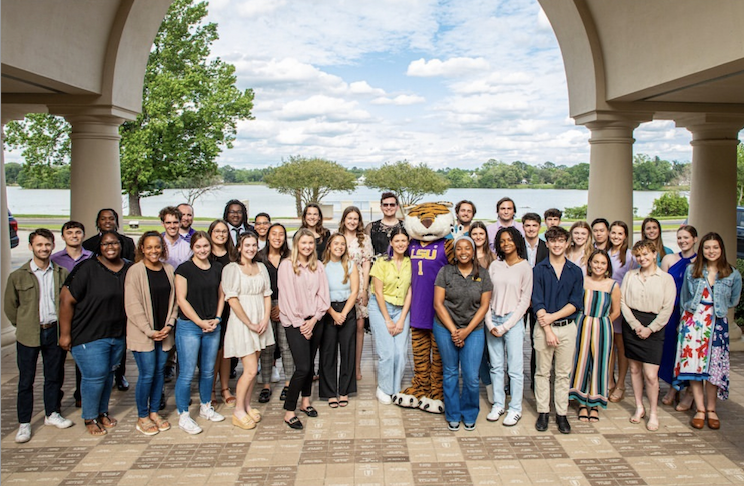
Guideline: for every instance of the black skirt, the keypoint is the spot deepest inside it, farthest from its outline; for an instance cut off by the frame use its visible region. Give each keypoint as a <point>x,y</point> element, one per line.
<point>647,350</point>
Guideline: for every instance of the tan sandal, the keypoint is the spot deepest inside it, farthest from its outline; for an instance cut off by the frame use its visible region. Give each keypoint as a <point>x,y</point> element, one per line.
<point>94,428</point>
<point>615,398</point>
<point>107,421</point>
<point>245,423</point>
<point>161,423</point>
<point>229,401</point>
<point>255,415</point>
<point>147,426</point>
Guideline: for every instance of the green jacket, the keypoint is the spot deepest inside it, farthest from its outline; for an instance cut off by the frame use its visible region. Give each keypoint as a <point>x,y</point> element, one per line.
<point>22,302</point>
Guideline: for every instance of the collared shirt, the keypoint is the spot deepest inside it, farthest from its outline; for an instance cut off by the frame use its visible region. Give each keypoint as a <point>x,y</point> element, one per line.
<point>395,281</point>
<point>494,228</point>
<point>47,309</point>
<point>302,296</point>
<point>64,260</point>
<point>531,252</point>
<point>551,293</point>
<point>178,252</point>
<point>654,292</point>
<point>462,294</point>
<point>187,236</point>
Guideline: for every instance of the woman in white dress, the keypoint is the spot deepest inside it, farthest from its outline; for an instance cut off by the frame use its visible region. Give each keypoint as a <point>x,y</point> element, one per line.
<point>247,290</point>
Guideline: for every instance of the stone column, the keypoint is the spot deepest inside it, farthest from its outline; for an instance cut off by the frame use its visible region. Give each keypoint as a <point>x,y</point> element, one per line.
<point>95,174</point>
<point>7,331</point>
<point>713,186</point>
<point>610,166</point>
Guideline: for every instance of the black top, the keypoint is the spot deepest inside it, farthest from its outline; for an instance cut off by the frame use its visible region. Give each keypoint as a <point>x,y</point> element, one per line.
<point>223,260</point>
<point>160,291</point>
<point>462,295</point>
<point>203,288</point>
<point>127,245</point>
<point>272,277</point>
<point>380,235</point>
<point>320,244</point>
<point>99,292</point>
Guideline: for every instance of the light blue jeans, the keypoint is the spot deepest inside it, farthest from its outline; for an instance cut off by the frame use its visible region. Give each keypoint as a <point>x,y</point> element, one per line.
<point>392,351</point>
<point>460,405</point>
<point>97,361</point>
<point>151,365</point>
<point>512,343</point>
<point>194,344</point>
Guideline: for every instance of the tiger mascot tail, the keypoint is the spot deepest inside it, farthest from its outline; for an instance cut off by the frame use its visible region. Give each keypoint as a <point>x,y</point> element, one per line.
<point>428,224</point>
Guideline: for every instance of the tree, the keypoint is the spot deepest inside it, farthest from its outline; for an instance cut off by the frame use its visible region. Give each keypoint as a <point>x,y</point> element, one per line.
<point>44,141</point>
<point>409,182</point>
<point>196,187</point>
<point>190,107</point>
<point>670,204</point>
<point>576,177</point>
<point>651,174</point>
<point>12,170</point>
<point>309,180</point>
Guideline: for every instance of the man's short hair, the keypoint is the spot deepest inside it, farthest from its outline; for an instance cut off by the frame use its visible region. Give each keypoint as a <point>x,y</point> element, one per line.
<point>43,232</point>
<point>601,220</point>
<point>506,199</point>
<point>553,213</point>
<point>531,217</point>
<point>169,211</point>
<point>465,201</point>
<point>388,195</point>
<point>647,245</point>
<point>265,215</point>
<point>185,204</point>
<point>73,224</point>
<point>556,233</point>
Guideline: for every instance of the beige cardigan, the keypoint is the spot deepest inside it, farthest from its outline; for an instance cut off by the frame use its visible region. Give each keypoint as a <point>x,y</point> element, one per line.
<point>138,306</point>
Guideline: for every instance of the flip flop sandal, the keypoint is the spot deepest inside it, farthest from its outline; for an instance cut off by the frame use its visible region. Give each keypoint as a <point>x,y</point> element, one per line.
<point>147,427</point>
<point>107,421</point>
<point>94,428</point>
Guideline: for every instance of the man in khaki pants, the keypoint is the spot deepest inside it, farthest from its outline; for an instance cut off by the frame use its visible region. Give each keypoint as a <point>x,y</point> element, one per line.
<point>557,296</point>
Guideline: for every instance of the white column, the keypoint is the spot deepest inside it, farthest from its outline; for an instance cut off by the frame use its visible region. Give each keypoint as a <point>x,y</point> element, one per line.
<point>713,186</point>
<point>95,174</point>
<point>7,331</point>
<point>611,169</point>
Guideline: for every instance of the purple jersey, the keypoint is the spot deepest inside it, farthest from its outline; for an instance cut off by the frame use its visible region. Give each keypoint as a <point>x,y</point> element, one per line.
<point>426,261</point>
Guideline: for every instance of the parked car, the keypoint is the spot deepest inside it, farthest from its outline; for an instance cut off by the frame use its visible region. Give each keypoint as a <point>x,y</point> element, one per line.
<point>740,232</point>
<point>13,230</point>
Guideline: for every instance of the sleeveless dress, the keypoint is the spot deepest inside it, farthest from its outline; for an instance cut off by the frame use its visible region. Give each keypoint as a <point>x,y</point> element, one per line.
<point>703,347</point>
<point>666,369</point>
<point>360,254</point>
<point>593,348</point>
<point>250,290</point>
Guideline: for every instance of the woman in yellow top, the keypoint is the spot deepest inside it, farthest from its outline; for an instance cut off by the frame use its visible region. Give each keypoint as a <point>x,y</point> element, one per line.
<point>388,314</point>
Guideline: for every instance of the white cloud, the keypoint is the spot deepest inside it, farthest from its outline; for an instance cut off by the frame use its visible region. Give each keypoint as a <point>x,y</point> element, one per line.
<point>400,100</point>
<point>321,106</point>
<point>454,67</point>
<point>363,88</point>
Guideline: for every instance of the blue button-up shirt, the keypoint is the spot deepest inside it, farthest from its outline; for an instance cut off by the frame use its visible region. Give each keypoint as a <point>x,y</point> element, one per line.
<point>551,293</point>
<point>64,260</point>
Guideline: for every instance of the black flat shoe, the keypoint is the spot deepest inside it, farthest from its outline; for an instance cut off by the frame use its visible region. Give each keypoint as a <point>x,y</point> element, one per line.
<point>542,422</point>
<point>264,396</point>
<point>563,426</point>
<point>283,396</point>
<point>122,384</point>
<point>309,411</point>
<point>294,423</point>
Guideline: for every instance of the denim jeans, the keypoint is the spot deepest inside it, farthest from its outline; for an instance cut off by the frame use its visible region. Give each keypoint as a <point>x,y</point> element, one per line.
<point>512,343</point>
<point>460,405</point>
<point>392,351</point>
<point>53,358</point>
<point>195,345</point>
<point>97,361</point>
<point>151,366</point>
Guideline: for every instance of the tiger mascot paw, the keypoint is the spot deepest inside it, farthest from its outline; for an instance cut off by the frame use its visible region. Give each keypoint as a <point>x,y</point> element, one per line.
<point>405,401</point>
<point>432,406</point>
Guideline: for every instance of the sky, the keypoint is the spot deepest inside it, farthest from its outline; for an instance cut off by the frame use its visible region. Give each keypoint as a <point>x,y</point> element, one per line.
<point>447,83</point>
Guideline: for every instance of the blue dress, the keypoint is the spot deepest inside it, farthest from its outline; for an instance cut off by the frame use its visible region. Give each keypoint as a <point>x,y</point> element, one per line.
<point>666,369</point>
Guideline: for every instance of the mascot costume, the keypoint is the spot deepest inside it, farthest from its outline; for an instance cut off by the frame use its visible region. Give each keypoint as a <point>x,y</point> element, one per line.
<point>428,225</point>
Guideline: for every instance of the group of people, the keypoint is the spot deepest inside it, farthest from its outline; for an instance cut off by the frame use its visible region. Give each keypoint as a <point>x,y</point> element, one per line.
<point>241,291</point>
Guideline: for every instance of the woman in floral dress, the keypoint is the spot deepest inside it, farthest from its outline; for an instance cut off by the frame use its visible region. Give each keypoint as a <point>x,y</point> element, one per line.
<point>710,288</point>
<point>360,251</point>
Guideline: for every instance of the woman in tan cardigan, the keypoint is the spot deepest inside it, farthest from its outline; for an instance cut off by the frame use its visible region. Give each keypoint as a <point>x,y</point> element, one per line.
<point>150,303</point>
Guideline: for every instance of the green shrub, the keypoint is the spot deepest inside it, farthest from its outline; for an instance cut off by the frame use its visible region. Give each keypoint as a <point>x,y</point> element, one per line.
<point>670,204</point>
<point>578,212</point>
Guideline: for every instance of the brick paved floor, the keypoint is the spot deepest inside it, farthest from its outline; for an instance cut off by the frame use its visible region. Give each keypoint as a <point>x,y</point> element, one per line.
<point>371,444</point>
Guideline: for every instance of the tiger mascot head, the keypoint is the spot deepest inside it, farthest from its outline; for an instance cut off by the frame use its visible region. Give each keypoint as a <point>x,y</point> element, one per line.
<point>429,221</point>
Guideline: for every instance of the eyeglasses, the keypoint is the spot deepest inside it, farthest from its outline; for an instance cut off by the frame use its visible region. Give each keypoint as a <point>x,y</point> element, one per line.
<point>220,232</point>
<point>235,212</point>
<point>110,243</point>
<point>389,205</point>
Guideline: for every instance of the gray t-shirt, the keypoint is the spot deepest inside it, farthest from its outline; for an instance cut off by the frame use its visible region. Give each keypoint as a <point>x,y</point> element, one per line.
<point>462,295</point>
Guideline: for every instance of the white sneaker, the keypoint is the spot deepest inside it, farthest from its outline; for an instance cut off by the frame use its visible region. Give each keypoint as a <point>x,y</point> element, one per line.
<point>511,418</point>
<point>489,394</point>
<point>275,375</point>
<point>495,414</point>
<point>206,411</point>
<point>383,397</point>
<point>57,420</point>
<point>187,424</point>
<point>24,433</point>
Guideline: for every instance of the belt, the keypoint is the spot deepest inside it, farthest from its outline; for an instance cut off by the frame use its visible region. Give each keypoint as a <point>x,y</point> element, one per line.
<point>49,326</point>
<point>562,322</point>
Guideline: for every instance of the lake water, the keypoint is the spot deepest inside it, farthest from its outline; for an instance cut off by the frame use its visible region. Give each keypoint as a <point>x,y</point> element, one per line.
<point>260,198</point>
